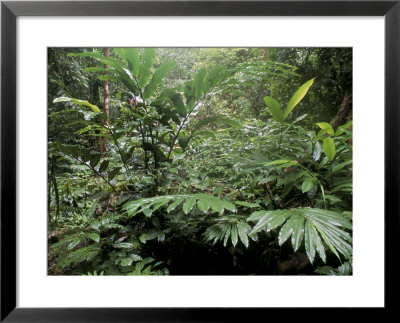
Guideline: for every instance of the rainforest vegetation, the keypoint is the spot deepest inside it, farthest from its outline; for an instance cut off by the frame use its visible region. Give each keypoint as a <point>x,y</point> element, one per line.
<point>199,161</point>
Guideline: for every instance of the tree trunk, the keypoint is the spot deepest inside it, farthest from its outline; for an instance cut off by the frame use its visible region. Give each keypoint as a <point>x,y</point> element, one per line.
<point>106,104</point>
<point>343,112</point>
<point>53,167</point>
<point>49,196</point>
<point>265,54</point>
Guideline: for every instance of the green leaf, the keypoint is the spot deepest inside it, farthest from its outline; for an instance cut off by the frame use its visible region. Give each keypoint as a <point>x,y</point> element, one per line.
<point>79,255</point>
<point>199,83</point>
<point>113,173</point>
<point>147,211</point>
<point>142,238</point>
<point>78,102</point>
<point>157,78</point>
<point>94,69</point>
<point>177,202</point>
<point>247,204</point>
<point>94,236</point>
<point>287,230</point>
<point>313,242</point>
<point>329,148</point>
<point>203,205</point>
<point>95,225</point>
<point>188,205</point>
<point>144,75</point>
<point>188,90</point>
<point>94,159</point>
<point>269,220</point>
<point>161,202</point>
<point>103,166</point>
<point>108,77</point>
<point>85,155</point>
<point>278,218</point>
<point>274,108</point>
<point>227,235</point>
<point>281,161</point>
<point>342,128</point>
<point>132,57</point>
<point>127,261</point>
<point>234,235</point>
<point>214,77</point>
<point>263,221</point>
<point>308,184</point>
<point>255,216</point>
<point>74,243</point>
<point>327,241</point>
<point>336,239</point>
<point>312,224</point>
<point>216,204</point>
<point>298,232</point>
<point>176,99</point>
<point>124,245</point>
<point>327,127</point>
<point>242,230</point>
<point>341,166</point>
<point>297,97</point>
<point>317,150</point>
<point>148,57</point>
<point>213,232</point>
<point>126,78</point>
<point>327,270</point>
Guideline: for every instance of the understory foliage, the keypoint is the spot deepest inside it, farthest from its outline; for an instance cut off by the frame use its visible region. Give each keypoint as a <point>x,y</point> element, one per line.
<point>196,162</point>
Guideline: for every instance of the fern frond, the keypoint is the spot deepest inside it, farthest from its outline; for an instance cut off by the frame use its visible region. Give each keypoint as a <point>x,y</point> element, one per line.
<point>233,227</point>
<point>71,240</point>
<point>79,255</point>
<point>308,224</point>
<point>344,270</point>
<point>202,201</point>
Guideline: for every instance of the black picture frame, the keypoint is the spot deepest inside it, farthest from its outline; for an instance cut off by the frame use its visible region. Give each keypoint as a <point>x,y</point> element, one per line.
<point>10,10</point>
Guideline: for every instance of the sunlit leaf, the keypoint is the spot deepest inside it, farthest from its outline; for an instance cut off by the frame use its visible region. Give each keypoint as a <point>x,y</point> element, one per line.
<point>78,102</point>
<point>327,127</point>
<point>297,97</point>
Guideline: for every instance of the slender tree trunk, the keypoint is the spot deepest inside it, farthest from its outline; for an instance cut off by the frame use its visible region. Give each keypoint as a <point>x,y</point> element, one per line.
<point>344,110</point>
<point>265,54</point>
<point>53,167</point>
<point>106,104</point>
<point>49,197</point>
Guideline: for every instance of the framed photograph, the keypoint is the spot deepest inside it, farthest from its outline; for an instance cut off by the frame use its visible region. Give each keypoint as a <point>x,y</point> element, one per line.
<point>193,160</point>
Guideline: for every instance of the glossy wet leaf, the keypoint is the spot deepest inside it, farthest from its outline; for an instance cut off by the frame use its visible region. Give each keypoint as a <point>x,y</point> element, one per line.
<point>188,205</point>
<point>311,225</point>
<point>329,148</point>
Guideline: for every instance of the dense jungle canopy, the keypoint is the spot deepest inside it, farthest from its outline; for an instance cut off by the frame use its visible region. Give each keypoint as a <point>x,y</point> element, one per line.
<point>200,161</point>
